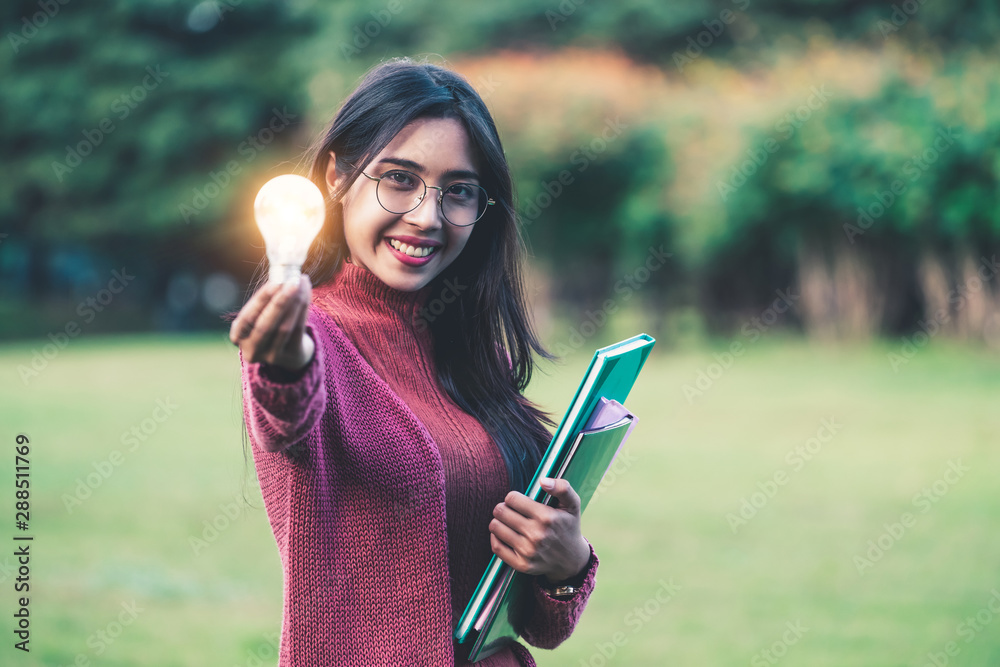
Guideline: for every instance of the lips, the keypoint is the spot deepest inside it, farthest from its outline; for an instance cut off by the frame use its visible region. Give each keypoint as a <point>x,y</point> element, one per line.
<point>411,260</point>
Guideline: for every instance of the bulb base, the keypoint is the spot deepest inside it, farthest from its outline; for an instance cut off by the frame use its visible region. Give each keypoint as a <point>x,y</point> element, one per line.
<point>284,273</point>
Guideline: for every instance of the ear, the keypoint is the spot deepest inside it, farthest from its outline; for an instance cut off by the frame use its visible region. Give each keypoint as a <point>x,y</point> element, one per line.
<point>333,178</point>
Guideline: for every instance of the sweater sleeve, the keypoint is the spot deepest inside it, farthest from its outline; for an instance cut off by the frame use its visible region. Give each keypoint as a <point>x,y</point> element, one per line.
<point>550,622</point>
<point>281,407</point>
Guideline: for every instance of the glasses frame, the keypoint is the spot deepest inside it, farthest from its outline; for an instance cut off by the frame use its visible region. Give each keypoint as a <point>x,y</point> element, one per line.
<point>440,199</point>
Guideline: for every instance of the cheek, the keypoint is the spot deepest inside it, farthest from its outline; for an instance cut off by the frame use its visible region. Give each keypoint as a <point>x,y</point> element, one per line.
<point>459,240</point>
<point>362,222</point>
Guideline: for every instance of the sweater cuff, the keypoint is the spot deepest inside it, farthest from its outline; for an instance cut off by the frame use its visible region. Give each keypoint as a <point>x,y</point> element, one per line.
<point>282,392</point>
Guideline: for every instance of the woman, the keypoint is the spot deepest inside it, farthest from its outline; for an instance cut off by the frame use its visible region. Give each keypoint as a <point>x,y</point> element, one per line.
<point>384,405</point>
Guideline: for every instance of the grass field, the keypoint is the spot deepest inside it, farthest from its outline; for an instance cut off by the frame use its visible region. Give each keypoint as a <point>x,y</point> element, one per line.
<point>837,446</point>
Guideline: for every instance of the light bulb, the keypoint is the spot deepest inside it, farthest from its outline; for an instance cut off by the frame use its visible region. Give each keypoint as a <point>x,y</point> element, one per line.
<point>289,210</point>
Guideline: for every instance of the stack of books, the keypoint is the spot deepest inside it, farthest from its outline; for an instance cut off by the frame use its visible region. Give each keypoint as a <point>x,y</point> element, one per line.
<point>582,450</point>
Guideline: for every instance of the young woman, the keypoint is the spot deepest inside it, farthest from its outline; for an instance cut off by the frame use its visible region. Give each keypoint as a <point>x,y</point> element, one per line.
<point>382,393</point>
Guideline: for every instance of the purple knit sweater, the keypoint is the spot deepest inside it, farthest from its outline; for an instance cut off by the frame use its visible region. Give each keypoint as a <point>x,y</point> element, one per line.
<point>364,583</point>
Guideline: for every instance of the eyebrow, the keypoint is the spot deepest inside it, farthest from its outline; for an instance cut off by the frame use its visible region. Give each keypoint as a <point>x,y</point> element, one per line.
<point>417,167</point>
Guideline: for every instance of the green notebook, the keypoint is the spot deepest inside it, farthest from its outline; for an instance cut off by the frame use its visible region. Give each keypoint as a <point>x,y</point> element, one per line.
<point>581,451</point>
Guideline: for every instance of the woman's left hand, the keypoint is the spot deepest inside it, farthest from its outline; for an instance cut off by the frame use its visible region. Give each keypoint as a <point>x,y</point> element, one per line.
<point>541,539</point>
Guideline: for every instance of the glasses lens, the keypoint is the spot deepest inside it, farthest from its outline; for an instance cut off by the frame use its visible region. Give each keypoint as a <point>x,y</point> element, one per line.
<point>463,203</point>
<point>399,191</point>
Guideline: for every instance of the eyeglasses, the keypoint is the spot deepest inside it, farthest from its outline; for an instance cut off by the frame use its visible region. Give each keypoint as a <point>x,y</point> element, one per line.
<point>461,204</point>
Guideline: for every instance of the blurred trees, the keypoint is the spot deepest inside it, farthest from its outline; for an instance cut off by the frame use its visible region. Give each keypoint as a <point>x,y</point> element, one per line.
<point>884,206</point>
<point>119,116</point>
<point>585,137</point>
<point>113,114</point>
<point>764,144</point>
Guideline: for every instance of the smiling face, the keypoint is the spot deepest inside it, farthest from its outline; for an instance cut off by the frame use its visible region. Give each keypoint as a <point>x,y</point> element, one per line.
<point>436,149</point>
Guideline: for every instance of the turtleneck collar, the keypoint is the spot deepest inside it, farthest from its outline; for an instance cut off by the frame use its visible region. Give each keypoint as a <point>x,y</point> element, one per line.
<point>361,288</point>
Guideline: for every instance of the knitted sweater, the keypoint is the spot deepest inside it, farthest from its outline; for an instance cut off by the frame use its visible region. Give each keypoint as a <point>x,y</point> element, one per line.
<point>381,490</point>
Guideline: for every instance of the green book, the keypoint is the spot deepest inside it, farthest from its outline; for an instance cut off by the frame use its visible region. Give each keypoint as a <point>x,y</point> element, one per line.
<point>584,445</point>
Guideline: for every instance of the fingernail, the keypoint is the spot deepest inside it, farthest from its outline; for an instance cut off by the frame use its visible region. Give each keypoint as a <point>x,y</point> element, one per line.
<point>547,483</point>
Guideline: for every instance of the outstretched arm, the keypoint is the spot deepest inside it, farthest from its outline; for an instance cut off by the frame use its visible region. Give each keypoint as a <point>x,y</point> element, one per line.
<point>281,365</point>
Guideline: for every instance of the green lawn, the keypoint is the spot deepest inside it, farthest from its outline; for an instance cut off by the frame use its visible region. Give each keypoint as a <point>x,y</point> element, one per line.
<point>677,585</point>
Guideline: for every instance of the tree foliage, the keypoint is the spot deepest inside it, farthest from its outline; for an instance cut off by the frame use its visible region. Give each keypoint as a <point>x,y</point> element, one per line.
<point>145,127</point>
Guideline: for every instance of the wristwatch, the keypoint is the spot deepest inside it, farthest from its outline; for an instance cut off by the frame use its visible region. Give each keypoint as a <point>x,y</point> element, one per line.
<point>567,588</point>
<point>560,592</point>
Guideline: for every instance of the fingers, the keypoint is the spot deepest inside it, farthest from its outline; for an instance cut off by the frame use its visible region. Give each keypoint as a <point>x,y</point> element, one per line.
<point>545,542</point>
<point>563,491</point>
<point>279,310</point>
<point>266,326</point>
<point>300,322</point>
<point>512,538</point>
<point>289,322</point>
<point>508,555</point>
<point>267,321</point>
<point>243,325</point>
<point>526,506</point>
<point>506,514</point>
<point>285,325</point>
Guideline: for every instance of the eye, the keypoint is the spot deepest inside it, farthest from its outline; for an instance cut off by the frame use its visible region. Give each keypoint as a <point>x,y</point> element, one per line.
<point>462,192</point>
<point>400,180</point>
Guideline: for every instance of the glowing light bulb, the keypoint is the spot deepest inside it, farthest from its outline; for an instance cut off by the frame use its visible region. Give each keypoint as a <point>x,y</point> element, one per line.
<point>289,210</point>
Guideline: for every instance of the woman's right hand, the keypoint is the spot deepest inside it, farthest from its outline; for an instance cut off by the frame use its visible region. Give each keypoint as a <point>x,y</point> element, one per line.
<point>271,326</point>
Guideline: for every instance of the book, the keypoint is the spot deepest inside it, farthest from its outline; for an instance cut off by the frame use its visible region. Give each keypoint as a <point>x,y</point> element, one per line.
<point>585,465</point>
<point>582,449</point>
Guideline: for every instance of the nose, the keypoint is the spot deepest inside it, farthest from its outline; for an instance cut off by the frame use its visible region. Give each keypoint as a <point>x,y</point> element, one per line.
<point>427,214</point>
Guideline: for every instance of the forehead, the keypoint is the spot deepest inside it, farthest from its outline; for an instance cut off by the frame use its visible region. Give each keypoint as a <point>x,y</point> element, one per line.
<point>438,144</point>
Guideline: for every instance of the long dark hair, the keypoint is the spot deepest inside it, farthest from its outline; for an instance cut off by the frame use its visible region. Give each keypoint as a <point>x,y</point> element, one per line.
<point>489,320</point>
